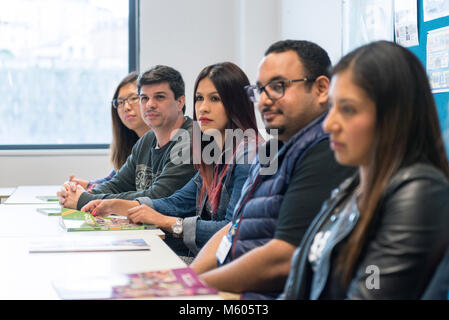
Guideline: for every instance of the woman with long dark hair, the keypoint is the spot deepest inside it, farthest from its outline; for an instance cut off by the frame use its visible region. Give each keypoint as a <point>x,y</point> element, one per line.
<point>222,155</point>
<point>127,127</point>
<point>382,233</point>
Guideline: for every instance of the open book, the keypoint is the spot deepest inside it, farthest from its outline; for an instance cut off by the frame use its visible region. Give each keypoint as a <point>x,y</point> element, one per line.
<point>89,244</point>
<point>74,220</point>
<point>162,283</point>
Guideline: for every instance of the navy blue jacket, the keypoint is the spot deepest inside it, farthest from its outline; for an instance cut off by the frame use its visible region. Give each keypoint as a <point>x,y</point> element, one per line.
<point>255,219</point>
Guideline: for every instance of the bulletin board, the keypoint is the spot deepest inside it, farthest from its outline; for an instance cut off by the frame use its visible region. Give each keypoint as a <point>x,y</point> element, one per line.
<point>441,99</point>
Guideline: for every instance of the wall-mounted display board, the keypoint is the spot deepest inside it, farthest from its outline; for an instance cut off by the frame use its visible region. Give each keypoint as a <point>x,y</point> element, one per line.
<point>432,17</point>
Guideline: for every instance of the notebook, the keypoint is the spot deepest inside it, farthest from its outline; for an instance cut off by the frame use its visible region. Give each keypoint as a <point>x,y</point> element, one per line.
<point>89,244</point>
<point>48,198</point>
<point>55,211</point>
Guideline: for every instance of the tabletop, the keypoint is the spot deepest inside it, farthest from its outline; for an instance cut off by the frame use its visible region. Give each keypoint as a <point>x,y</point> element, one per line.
<point>25,275</point>
<point>30,276</point>
<point>33,195</point>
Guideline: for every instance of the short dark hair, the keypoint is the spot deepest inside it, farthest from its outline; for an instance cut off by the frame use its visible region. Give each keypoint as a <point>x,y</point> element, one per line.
<point>159,74</point>
<point>315,59</point>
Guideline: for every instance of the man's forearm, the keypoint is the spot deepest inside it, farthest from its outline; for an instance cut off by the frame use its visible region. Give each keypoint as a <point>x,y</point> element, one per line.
<point>263,269</point>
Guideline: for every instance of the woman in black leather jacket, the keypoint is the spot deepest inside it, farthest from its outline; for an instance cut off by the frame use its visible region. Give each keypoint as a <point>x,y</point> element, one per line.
<point>382,232</point>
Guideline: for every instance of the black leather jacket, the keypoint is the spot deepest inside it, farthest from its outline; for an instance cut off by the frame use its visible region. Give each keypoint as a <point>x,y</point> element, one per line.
<point>407,240</point>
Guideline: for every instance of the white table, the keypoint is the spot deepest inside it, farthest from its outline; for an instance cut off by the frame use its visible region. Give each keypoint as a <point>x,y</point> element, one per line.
<point>25,275</point>
<point>30,194</point>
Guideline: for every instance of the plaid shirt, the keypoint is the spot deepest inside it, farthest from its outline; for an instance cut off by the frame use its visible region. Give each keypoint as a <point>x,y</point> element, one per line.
<point>93,183</point>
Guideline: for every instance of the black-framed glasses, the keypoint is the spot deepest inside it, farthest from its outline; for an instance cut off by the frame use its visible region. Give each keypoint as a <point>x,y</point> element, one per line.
<point>274,89</point>
<point>120,103</point>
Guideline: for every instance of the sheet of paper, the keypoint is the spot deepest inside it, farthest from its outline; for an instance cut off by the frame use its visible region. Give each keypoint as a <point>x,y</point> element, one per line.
<point>406,22</point>
<point>434,9</point>
<point>366,21</point>
<point>438,59</point>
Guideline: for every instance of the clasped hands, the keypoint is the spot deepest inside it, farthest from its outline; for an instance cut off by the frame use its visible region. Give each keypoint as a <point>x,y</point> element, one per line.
<point>70,193</point>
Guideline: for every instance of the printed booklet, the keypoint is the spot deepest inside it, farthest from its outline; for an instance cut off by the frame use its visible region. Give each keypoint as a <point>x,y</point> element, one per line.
<point>153,284</point>
<point>48,198</point>
<point>56,211</point>
<point>74,220</point>
<point>89,244</point>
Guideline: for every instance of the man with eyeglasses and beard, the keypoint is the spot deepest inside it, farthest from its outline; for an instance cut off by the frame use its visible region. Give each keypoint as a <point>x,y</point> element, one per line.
<point>252,254</point>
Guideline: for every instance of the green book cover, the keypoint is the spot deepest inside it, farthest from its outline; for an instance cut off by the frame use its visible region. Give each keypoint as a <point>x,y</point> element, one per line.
<point>74,220</point>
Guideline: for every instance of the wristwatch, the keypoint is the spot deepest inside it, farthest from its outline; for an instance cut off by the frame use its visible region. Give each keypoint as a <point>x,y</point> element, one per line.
<point>177,228</point>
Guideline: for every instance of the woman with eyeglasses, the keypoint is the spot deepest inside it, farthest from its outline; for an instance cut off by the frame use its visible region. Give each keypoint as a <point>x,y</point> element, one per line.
<point>383,232</point>
<point>205,204</point>
<point>127,127</point>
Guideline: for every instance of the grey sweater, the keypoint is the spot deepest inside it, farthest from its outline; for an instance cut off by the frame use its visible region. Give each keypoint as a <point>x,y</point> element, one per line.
<point>148,172</point>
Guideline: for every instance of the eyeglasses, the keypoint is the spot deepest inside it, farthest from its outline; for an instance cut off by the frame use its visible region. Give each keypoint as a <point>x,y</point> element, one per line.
<point>120,103</point>
<point>274,89</point>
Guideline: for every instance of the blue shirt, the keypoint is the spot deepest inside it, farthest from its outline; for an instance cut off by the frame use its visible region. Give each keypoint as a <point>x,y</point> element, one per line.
<point>198,228</point>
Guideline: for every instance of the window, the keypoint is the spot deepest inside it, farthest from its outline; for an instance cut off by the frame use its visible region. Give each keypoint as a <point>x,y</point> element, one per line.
<point>60,61</point>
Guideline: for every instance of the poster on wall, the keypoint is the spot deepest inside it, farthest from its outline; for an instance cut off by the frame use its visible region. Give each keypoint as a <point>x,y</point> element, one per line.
<point>434,9</point>
<point>438,59</point>
<point>406,22</point>
<point>366,21</point>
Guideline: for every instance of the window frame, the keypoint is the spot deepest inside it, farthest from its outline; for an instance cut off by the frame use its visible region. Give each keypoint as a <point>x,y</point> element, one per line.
<point>133,65</point>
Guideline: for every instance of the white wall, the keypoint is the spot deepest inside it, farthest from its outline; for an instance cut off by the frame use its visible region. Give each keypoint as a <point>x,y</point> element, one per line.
<point>260,26</point>
<point>317,21</point>
<point>189,35</point>
<point>51,167</point>
<point>202,32</point>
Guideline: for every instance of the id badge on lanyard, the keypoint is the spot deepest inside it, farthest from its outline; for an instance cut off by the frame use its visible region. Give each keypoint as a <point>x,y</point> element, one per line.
<point>227,241</point>
<point>223,248</point>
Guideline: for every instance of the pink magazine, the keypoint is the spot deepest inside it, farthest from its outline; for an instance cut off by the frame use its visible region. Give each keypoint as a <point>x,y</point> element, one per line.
<point>152,284</point>
<point>163,283</point>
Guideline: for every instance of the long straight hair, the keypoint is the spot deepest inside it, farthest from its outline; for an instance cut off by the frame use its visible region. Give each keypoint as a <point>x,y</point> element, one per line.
<point>229,80</point>
<point>395,80</point>
<point>123,138</point>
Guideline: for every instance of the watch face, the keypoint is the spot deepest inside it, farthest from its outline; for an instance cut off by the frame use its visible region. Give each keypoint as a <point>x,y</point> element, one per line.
<point>177,229</point>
